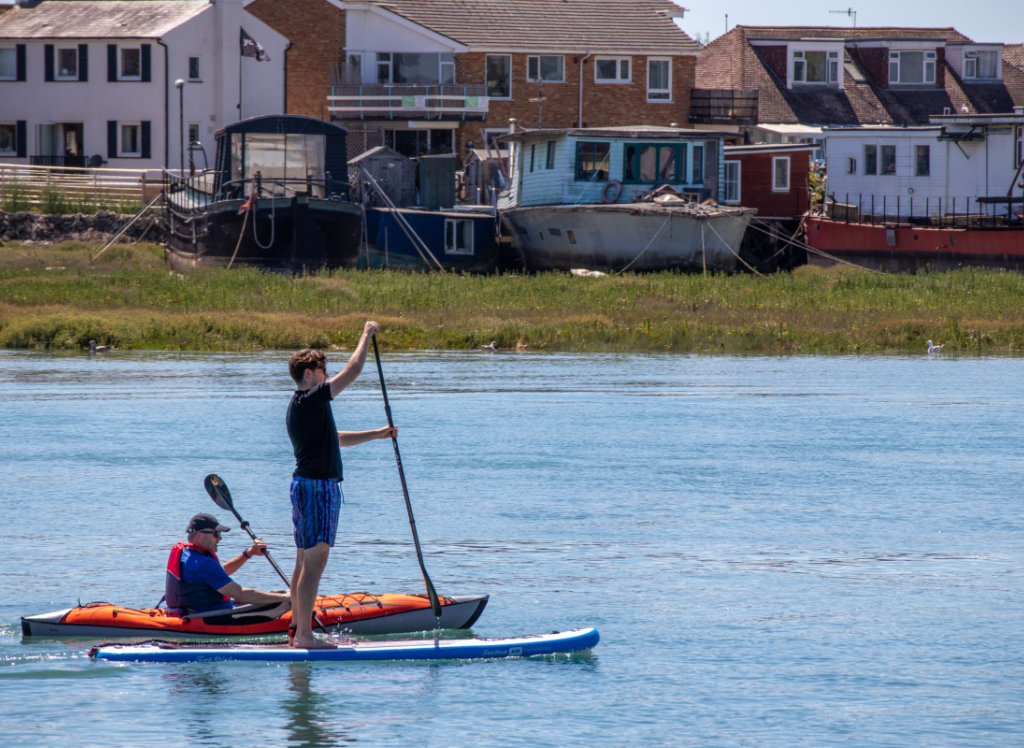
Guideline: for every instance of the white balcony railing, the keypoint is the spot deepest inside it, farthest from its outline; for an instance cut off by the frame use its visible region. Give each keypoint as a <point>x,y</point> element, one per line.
<point>408,102</point>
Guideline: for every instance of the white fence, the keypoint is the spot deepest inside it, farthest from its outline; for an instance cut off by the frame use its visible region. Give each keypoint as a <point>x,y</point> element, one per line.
<point>67,189</point>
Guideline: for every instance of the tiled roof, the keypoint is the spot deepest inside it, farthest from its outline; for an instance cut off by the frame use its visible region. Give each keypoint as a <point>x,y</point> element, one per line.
<point>1014,55</point>
<point>730,62</point>
<point>98,19</point>
<point>627,26</point>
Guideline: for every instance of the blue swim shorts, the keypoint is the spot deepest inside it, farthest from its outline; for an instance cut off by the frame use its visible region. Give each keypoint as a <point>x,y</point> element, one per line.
<point>316,505</point>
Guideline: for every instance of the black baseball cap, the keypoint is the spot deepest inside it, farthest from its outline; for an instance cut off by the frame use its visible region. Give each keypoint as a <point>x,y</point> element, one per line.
<point>204,521</point>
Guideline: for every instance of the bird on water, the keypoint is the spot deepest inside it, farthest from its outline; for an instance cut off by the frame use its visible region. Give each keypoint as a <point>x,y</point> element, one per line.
<point>932,348</point>
<point>492,347</point>
<point>93,348</point>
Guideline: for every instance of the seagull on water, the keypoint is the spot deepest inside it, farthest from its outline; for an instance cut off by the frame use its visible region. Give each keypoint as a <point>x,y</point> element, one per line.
<point>932,348</point>
<point>492,347</point>
<point>93,348</point>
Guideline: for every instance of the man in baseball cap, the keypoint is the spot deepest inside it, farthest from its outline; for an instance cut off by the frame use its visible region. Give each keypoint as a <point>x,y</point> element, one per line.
<point>197,582</point>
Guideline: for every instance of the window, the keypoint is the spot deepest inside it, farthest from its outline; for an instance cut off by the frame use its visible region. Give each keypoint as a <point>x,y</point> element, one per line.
<point>871,159</point>
<point>815,67</point>
<point>550,163</point>
<point>780,174</point>
<point>355,67</point>
<point>415,69</point>
<point>613,70</point>
<point>67,64</point>
<point>731,181</point>
<point>911,67</point>
<point>499,76</point>
<point>981,64</point>
<point>131,140</point>
<point>131,64</point>
<point>659,80</point>
<point>8,139</point>
<point>458,236</point>
<point>533,155</point>
<point>851,165</point>
<point>384,68</point>
<point>195,71</point>
<point>447,69</point>
<point>592,162</point>
<point>193,133</point>
<point>922,161</point>
<point>547,68</point>
<point>8,64</point>
<point>660,163</point>
<point>698,165</point>
<point>888,160</point>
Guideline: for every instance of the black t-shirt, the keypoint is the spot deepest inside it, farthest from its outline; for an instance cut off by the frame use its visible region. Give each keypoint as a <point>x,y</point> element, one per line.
<point>314,436</point>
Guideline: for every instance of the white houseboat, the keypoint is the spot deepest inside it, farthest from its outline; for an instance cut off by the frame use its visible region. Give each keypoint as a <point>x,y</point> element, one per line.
<point>940,196</point>
<point>614,198</point>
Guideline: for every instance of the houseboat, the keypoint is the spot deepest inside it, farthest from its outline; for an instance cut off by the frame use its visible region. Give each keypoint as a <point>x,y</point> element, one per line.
<point>940,196</point>
<point>616,198</point>
<point>277,198</point>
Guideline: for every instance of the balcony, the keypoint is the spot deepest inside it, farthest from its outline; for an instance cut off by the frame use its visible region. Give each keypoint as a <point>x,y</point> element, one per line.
<point>723,106</point>
<point>377,102</point>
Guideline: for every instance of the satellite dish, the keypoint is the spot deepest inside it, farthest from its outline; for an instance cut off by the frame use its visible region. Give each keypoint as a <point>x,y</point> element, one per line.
<point>95,161</point>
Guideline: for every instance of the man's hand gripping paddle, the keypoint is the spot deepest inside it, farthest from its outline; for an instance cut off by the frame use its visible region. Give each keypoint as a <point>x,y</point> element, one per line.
<point>221,496</point>
<point>435,604</point>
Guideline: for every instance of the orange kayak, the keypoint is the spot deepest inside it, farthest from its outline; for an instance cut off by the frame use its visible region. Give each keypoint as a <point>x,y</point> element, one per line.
<point>356,613</point>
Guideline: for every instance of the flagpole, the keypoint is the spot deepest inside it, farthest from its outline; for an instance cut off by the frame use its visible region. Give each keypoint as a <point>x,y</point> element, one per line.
<point>240,59</point>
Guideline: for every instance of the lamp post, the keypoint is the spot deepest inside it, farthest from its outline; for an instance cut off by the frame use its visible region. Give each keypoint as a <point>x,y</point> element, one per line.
<point>180,85</point>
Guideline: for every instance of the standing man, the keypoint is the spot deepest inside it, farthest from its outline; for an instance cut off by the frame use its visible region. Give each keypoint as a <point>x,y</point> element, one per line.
<point>316,496</point>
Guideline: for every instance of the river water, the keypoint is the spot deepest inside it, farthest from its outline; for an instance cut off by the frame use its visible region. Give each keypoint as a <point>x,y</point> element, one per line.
<point>776,551</point>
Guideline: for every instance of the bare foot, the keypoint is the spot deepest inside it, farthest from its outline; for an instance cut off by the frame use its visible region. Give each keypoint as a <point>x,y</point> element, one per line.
<point>311,643</point>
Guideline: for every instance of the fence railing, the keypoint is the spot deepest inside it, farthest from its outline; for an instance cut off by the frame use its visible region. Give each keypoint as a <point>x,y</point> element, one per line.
<point>371,101</point>
<point>723,106</point>
<point>67,189</point>
<point>954,212</point>
<point>77,161</point>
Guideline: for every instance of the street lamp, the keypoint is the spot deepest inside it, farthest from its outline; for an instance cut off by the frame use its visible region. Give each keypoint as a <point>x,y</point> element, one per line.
<point>180,85</point>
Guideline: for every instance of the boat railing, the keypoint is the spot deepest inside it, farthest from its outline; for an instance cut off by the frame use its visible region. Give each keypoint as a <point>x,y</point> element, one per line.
<point>196,191</point>
<point>966,212</point>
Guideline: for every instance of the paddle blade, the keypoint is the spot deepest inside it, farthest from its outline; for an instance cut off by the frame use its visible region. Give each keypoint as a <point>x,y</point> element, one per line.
<point>435,603</point>
<point>218,491</point>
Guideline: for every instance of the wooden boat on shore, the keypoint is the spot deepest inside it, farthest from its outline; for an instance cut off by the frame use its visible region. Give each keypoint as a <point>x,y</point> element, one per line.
<point>272,200</point>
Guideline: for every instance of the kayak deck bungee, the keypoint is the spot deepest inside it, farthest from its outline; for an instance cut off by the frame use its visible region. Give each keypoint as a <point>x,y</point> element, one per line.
<point>357,613</point>
<point>565,642</point>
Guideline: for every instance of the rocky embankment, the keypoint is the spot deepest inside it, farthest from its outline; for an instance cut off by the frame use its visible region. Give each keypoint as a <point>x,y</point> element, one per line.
<point>98,227</point>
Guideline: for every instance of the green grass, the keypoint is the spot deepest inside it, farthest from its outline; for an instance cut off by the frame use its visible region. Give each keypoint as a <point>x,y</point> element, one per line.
<point>53,200</point>
<point>52,298</point>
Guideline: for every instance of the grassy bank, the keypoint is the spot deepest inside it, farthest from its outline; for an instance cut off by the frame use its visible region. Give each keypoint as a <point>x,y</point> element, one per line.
<point>52,298</point>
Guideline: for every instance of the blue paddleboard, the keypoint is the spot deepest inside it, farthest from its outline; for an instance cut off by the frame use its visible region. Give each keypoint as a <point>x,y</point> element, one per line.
<point>420,649</point>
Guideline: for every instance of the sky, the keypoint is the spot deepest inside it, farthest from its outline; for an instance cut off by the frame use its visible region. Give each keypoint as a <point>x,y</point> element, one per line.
<point>981,20</point>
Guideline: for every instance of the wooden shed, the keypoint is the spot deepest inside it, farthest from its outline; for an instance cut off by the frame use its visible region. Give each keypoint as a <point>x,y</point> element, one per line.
<point>771,178</point>
<point>394,173</point>
<point>486,172</point>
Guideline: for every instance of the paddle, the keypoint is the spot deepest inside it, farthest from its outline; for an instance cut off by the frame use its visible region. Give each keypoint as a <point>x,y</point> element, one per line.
<point>435,604</point>
<point>221,496</point>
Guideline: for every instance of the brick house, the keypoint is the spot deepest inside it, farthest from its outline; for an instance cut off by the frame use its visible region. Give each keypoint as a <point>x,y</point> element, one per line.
<point>433,76</point>
<point>783,84</point>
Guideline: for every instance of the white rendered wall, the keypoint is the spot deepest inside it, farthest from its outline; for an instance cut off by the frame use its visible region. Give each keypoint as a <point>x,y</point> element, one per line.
<point>368,32</point>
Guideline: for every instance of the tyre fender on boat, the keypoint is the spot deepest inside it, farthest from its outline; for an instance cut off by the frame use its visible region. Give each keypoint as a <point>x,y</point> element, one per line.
<point>611,192</point>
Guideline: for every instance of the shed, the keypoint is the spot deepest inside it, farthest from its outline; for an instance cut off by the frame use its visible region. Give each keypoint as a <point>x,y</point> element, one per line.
<point>394,173</point>
<point>437,181</point>
<point>484,170</point>
<point>771,178</point>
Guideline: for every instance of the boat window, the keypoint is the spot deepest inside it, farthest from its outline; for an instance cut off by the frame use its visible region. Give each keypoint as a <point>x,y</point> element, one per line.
<point>871,159</point>
<point>923,165</point>
<point>662,163</point>
<point>667,165</point>
<point>780,174</point>
<point>649,163</point>
<point>284,161</point>
<point>458,236</point>
<point>698,165</point>
<point>592,162</point>
<point>731,181</point>
<point>888,160</point>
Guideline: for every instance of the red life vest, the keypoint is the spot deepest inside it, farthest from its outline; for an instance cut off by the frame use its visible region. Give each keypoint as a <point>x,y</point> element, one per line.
<point>185,595</point>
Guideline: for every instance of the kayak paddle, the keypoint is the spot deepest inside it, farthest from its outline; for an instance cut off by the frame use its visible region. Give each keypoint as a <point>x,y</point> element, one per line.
<point>435,604</point>
<point>221,496</point>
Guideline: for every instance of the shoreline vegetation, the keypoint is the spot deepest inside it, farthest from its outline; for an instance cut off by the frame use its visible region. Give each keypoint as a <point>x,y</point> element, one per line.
<point>52,298</point>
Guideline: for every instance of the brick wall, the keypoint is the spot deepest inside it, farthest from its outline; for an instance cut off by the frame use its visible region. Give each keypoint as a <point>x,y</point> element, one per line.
<point>316,30</point>
<point>604,104</point>
<point>775,58</point>
<point>875,62</point>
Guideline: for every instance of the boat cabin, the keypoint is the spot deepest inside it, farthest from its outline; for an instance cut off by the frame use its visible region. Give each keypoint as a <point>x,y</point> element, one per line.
<point>578,166</point>
<point>281,155</point>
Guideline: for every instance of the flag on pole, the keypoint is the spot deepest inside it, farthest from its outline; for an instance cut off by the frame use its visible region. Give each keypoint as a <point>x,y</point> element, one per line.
<point>251,48</point>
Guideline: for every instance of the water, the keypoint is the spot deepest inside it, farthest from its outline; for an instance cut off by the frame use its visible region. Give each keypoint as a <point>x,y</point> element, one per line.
<point>777,552</point>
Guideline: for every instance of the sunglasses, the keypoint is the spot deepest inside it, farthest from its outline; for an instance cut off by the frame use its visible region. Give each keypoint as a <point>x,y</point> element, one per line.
<point>215,533</point>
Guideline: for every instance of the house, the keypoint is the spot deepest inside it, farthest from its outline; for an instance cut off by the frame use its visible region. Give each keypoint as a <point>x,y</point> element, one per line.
<point>943,194</point>
<point>783,84</point>
<point>94,81</point>
<point>443,76</point>
<point>770,177</point>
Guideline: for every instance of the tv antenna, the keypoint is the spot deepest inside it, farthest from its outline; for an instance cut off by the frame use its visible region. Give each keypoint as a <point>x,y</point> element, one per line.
<point>848,12</point>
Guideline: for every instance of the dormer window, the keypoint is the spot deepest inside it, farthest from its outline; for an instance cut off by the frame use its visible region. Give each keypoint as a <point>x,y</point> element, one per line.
<point>911,67</point>
<point>981,65</point>
<point>815,67</point>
